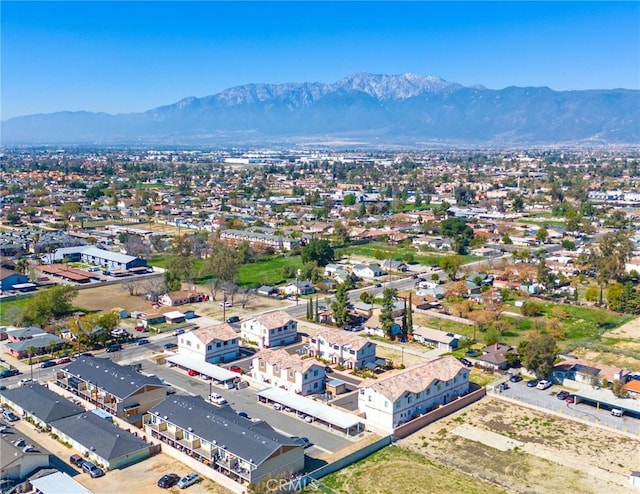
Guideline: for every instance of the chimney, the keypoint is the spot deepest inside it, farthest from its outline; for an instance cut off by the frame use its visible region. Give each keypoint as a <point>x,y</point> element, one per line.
<point>497,346</point>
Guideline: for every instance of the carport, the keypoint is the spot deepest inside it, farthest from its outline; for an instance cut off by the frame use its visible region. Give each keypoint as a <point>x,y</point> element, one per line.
<point>215,372</point>
<point>332,418</point>
<point>605,399</point>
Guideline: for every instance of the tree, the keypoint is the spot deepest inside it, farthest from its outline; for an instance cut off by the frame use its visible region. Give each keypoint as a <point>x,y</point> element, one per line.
<point>518,203</point>
<point>591,294</point>
<point>52,303</point>
<point>22,266</point>
<point>309,310</point>
<point>615,295</point>
<point>68,209</point>
<point>538,354</point>
<point>542,235</point>
<point>340,305</point>
<point>319,251</point>
<point>349,200</point>
<point>450,265</point>
<point>618,389</point>
<point>491,337</point>
<point>531,308</point>
<point>172,280</point>
<point>366,297</point>
<point>386,313</point>
<point>132,286</point>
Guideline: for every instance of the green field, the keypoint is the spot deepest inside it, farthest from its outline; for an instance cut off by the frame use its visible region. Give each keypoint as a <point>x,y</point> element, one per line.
<point>383,251</point>
<point>399,471</point>
<point>10,307</point>
<point>266,271</point>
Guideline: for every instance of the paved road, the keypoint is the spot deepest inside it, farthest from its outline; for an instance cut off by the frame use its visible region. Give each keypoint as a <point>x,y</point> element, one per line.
<point>547,399</point>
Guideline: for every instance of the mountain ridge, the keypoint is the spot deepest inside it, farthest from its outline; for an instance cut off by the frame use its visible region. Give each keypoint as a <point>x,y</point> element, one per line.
<point>395,109</point>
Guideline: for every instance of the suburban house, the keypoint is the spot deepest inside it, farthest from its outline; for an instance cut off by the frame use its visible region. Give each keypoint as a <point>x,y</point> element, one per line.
<point>101,441</point>
<point>290,372</point>
<point>579,371</point>
<point>367,270</point>
<point>494,357</point>
<point>39,343</point>
<point>243,449</point>
<point>39,403</point>
<point>181,297</point>
<point>213,344</point>
<point>372,326</point>
<point>271,329</point>
<point>436,338</point>
<point>299,288</point>
<point>10,278</point>
<point>348,350</point>
<point>393,265</point>
<point>118,389</point>
<point>393,400</point>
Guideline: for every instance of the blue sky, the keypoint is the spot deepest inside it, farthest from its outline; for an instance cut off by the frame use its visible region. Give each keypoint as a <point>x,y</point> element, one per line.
<point>133,56</point>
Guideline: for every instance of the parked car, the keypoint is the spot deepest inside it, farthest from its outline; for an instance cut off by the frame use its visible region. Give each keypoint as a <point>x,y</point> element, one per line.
<point>532,383</point>
<point>233,319</point>
<point>116,347</point>
<point>244,415</point>
<point>92,470</point>
<point>544,384</point>
<point>76,460</point>
<point>570,399</point>
<point>178,332</point>
<point>306,442</point>
<point>192,373</point>
<point>563,395</point>
<point>142,341</point>
<point>516,378</point>
<point>226,304</point>
<point>141,329</point>
<point>308,419</point>
<point>466,362</point>
<point>187,480</point>
<point>10,416</point>
<point>170,346</point>
<point>217,399</point>
<point>48,363</point>
<point>63,360</point>
<point>277,406</point>
<point>9,372</point>
<point>168,480</point>
<point>235,368</point>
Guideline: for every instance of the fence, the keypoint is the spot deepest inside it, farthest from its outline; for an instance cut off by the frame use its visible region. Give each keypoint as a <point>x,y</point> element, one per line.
<point>448,317</point>
<point>329,468</point>
<point>416,424</point>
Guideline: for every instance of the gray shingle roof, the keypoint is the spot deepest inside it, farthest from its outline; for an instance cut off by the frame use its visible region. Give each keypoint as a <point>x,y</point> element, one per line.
<point>41,402</point>
<point>100,435</point>
<point>255,441</point>
<point>119,380</point>
<point>40,341</point>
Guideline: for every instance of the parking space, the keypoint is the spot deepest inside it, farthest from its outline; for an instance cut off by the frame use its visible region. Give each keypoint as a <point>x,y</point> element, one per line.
<point>245,400</point>
<point>548,399</point>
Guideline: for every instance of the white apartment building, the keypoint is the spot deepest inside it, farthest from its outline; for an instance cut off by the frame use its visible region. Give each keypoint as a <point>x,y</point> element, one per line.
<point>290,372</point>
<point>270,329</point>
<point>391,401</point>
<point>213,344</point>
<point>351,351</point>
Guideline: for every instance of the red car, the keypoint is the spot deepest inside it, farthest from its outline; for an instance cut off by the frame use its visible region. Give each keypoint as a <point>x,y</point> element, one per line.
<point>235,368</point>
<point>63,360</point>
<point>193,373</point>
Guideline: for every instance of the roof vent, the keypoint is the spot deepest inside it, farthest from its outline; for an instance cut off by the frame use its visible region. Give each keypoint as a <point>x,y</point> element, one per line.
<point>190,429</point>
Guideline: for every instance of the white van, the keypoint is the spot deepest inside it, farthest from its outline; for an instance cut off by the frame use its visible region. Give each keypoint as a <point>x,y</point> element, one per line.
<point>616,412</point>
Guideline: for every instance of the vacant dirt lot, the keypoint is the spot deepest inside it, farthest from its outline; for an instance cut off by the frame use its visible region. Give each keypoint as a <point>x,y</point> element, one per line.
<point>557,453</point>
<point>105,298</point>
<point>630,329</point>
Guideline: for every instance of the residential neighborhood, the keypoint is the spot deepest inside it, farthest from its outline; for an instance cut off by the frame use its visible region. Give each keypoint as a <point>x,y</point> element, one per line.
<point>260,318</point>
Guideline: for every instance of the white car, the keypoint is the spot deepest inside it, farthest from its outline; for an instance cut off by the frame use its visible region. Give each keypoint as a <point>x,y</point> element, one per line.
<point>216,399</point>
<point>226,304</point>
<point>188,480</point>
<point>544,384</point>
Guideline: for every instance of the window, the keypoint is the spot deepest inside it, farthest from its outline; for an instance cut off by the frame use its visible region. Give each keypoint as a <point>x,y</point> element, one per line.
<point>225,343</point>
<point>188,343</point>
<point>369,398</point>
<point>313,340</point>
<point>276,368</point>
<point>306,376</point>
<point>262,364</point>
<point>218,345</point>
<point>315,372</point>
<point>209,347</point>
<point>315,384</point>
<point>290,373</point>
<point>386,404</point>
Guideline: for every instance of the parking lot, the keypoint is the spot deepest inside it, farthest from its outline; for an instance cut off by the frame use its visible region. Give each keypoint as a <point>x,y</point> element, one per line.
<point>245,400</point>
<point>547,399</point>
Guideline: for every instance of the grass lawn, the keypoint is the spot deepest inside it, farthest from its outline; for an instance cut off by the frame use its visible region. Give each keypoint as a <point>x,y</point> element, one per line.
<point>397,470</point>
<point>384,251</point>
<point>10,307</point>
<point>266,271</point>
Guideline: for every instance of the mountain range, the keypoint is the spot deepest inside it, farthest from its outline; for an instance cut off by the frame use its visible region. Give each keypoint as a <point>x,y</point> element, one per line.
<point>365,109</point>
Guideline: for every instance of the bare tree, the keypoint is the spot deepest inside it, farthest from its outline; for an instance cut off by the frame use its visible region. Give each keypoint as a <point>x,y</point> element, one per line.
<point>154,287</point>
<point>229,290</point>
<point>246,296</point>
<point>132,286</point>
<point>214,285</point>
<point>135,246</point>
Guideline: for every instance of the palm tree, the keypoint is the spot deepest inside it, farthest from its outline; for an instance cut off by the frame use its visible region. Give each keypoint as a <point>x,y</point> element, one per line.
<point>22,265</point>
<point>31,350</point>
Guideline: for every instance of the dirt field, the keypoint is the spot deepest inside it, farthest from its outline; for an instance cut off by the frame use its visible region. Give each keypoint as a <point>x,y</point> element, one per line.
<point>104,298</point>
<point>401,471</point>
<point>556,453</point>
<point>629,330</point>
